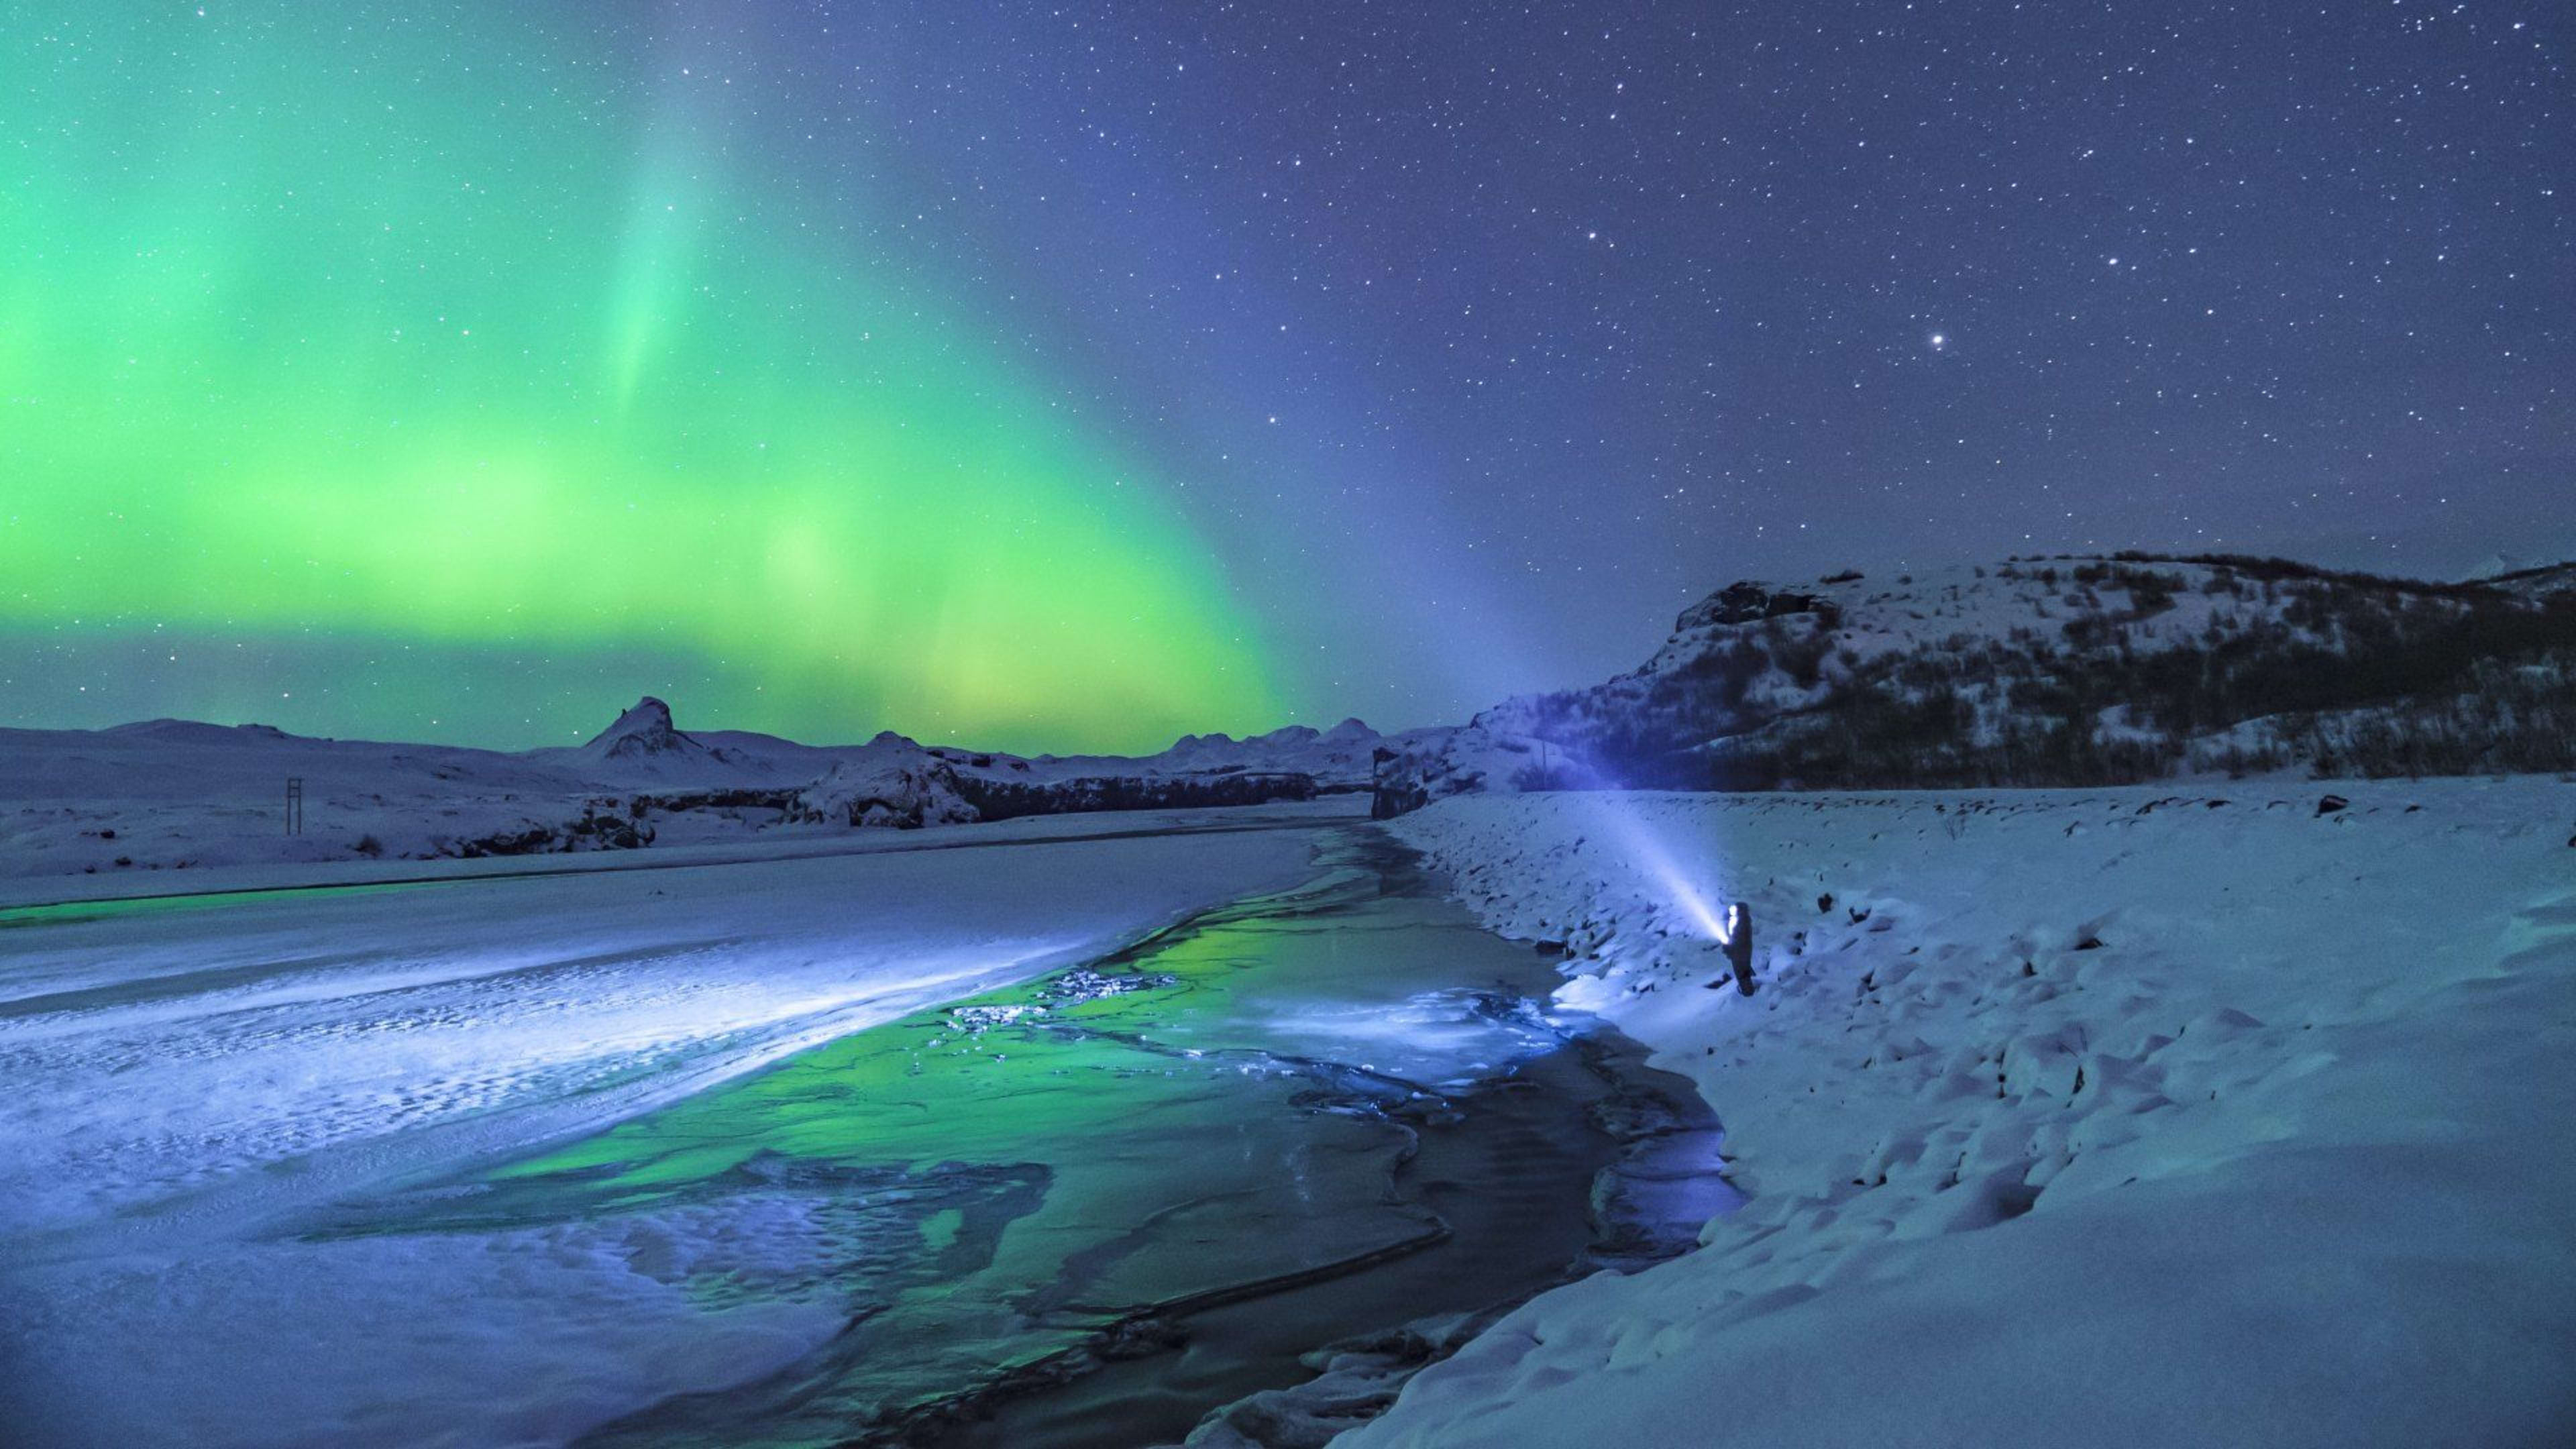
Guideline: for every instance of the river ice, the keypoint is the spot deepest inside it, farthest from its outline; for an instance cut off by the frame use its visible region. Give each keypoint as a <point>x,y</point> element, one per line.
<point>182,1076</point>
<point>793,1151</point>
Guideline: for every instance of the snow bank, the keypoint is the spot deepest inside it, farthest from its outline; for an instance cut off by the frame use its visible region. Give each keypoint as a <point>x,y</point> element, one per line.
<point>2113,1117</point>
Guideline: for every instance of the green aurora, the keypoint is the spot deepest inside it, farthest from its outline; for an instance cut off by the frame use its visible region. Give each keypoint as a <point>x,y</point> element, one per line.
<point>497,340</point>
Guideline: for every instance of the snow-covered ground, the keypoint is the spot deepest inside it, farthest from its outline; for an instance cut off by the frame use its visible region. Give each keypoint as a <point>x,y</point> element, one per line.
<point>182,1076</point>
<point>2139,1116</point>
<point>2116,1117</point>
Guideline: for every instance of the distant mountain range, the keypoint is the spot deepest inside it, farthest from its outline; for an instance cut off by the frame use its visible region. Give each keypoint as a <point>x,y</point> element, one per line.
<point>2056,671</point>
<point>170,794</point>
<point>2030,672</point>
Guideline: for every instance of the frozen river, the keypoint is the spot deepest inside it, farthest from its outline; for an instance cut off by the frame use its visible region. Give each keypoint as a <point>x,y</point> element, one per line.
<point>793,1152</point>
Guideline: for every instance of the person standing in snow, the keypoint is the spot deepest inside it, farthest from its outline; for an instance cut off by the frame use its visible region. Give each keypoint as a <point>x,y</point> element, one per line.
<point>1736,938</point>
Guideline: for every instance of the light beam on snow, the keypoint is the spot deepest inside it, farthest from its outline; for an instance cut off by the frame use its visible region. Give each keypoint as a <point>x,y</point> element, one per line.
<point>1678,871</point>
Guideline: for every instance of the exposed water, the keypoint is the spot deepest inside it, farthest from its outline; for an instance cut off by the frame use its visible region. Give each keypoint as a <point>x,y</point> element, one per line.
<point>1090,1210</point>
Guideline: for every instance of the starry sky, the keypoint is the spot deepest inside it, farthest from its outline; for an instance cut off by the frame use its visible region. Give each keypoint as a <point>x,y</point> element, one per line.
<point>1063,376</point>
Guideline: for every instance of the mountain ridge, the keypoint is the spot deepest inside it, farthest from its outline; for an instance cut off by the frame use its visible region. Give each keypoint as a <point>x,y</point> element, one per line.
<point>2066,670</point>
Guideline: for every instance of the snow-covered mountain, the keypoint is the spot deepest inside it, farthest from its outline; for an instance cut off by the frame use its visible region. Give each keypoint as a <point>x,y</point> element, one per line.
<point>644,733</point>
<point>2064,671</point>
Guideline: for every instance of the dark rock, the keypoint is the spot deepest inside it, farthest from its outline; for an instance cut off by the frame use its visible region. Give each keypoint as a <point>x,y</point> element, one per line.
<point>1141,1337</point>
<point>1002,799</point>
<point>606,832</point>
<point>1398,795</point>
<point>2331,804</point>
<point>738,797</point>
<point>508,842</point>
<point>1746,602</point>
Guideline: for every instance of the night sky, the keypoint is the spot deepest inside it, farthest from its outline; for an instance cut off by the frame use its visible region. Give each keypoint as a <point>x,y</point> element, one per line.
<point>1072,377</point>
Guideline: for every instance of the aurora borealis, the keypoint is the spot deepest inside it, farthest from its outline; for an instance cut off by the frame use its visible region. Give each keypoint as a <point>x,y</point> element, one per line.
<point>1072,376</point>
<point>466,354</point>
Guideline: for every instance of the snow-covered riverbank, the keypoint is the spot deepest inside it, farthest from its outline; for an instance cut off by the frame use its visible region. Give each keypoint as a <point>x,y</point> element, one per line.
<point>2107,1117</point>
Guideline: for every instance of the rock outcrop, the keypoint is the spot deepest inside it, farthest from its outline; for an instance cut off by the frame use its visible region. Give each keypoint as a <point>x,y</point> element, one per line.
<point>998,797</point>
<point>1746,602</point>
<point>893,782</point>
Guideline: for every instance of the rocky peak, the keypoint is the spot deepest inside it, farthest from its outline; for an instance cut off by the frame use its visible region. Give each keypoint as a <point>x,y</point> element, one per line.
<point>643,731</point>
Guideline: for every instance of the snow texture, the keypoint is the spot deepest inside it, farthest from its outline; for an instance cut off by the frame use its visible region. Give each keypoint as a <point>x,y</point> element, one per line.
<point>2121,1117</point>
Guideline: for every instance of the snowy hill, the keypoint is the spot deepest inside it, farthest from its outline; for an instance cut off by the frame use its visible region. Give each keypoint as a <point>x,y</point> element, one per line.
<point>889,781</point>
<point>175,794</point>
<point>2068,671</point>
